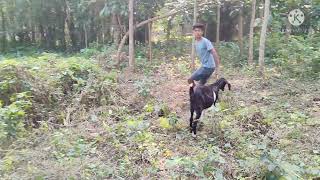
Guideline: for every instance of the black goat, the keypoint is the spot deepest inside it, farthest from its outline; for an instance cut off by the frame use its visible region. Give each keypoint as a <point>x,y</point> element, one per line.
<point>203,97</point>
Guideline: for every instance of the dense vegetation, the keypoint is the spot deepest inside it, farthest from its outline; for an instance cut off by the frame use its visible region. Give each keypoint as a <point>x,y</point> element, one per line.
<point>67,112</point>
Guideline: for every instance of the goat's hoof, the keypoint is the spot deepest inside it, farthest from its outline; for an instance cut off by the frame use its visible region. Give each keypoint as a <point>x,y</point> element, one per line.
<point>194,135</point>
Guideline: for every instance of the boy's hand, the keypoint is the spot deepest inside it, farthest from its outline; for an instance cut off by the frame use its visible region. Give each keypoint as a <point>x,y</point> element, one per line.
<point>216,73</point>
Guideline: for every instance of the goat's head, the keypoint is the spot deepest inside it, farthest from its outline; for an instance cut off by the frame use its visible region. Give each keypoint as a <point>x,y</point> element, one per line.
<point>222,84</point>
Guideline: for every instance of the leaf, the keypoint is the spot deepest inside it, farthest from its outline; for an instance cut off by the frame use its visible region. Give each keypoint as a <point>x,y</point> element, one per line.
<point>164,123</point>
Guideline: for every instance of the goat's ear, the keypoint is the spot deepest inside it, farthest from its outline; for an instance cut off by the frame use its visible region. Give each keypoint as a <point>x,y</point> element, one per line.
<point>229,86</point>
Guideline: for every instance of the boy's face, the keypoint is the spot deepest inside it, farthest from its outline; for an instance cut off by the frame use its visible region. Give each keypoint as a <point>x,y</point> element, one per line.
<point>197,33</point>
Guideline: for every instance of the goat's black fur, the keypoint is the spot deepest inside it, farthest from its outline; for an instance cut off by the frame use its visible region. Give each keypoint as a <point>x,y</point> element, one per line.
<point>203,97</point>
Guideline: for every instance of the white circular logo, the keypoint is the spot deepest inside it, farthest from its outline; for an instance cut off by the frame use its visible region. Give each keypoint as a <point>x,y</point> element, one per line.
<point>296,17</point>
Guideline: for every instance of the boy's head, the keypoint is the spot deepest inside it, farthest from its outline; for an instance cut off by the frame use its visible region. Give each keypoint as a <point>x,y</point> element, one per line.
<point>197,30</point>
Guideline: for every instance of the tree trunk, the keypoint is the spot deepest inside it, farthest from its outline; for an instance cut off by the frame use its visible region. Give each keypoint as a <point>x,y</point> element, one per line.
<point>261,10</point>
<point>4,41</point>
<point>122,29</point>
<point>251,33</point>
<point>50,38</point>
<point>150,40</point>
<point>124,38</point>
<point>205,30</point>
<point>218,23</point>
<point>288,30</point>
<point>146,34</point>
<point>115,29</point>
<point>240,31</point>
<point>42,36</point>
<point>63,38</point>
<point>131,36</point>
<point>63,26</point>
<point>103,31</point>
<point>169,27</point>
<point>33,34</point>
<point>263,36</point>
<point>85,35</point>
<point>195,14</point>
<point>71,27</point>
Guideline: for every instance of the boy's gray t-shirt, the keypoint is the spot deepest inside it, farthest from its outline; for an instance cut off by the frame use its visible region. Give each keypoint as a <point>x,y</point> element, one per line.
<point>203,48</point>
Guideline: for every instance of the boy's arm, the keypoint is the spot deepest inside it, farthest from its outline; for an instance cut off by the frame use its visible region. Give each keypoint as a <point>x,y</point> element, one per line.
<point>216,59</point>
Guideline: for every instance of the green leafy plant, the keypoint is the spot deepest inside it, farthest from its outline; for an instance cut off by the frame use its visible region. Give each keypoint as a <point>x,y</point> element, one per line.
<point>12,116</point>
<point>143,86</point>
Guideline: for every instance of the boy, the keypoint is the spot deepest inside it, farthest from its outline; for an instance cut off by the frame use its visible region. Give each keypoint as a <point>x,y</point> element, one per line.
<point>208,56</point>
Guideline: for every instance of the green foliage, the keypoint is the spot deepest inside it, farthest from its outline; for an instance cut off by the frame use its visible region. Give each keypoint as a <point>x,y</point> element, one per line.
<point>175,47</point>
<point>272,164</point>
<point>203,165</point>
<point>169,122</point>
<point>143,86</point>
<point>296,56</point>
<point>12,117</point>
<point>66,149</point>
<point>230,52</point>
<point>300,57</point>
<point>40,86</point>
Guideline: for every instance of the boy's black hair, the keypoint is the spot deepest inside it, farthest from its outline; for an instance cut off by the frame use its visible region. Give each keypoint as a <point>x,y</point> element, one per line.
<point>198,25</point>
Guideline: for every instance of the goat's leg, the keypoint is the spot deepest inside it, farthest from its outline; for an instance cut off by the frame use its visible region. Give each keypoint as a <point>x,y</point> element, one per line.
<point>195,123</point>
<point>191,118</point>
<point>203,114</point>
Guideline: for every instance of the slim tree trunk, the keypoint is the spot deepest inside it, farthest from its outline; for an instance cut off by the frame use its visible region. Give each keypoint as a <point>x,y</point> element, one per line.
<point>131,36</point>
<point>63,38</point>
<point>103,31</point>
<point>121,27</point>
<point>240,30</point>
<point>124,38</point>
<point>195,14</point>
<point>63,27</point>
<point>251,33</point>
<point>218,23</point>
<point>4,41</point>
<point>42,37</point>
<point>146,34</point>
<point>33,34</point>
<point>50,41</point>
<point>150,40</point>
<point>85,35</point>
<point>71,26</point>
<point>169,27</point>
<point>288,29</point>
<point>205,30</point>
<point>263,36</point>
<point>115,28</point>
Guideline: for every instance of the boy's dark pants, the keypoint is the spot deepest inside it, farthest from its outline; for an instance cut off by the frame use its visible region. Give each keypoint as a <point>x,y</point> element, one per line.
<point>202,74</point>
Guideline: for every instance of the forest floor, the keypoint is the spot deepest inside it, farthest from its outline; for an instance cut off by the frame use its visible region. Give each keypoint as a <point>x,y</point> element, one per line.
<point>260,126</point>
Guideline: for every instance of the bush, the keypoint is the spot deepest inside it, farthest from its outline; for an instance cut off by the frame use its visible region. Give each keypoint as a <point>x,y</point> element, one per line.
<point>230,53</point>
<point>12,116</point>
<point>144,87</point>
<point>300,58</point>
<point>297,56</point>
<point>42,88</point>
